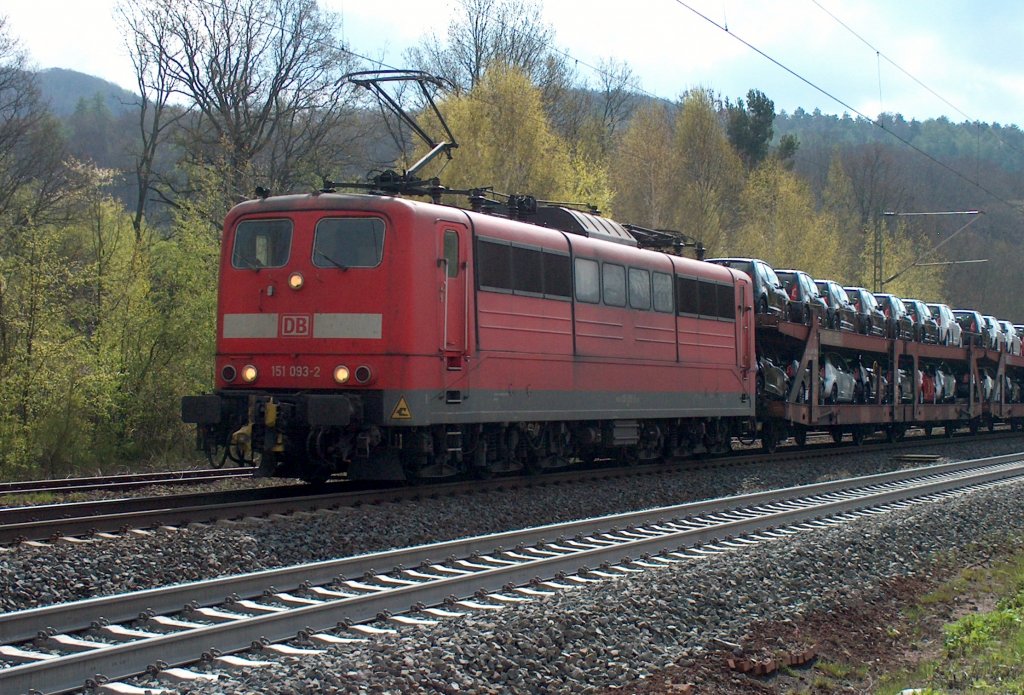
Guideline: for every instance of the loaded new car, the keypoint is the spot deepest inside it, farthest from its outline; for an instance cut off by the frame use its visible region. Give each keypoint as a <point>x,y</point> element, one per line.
<point>769,295</point>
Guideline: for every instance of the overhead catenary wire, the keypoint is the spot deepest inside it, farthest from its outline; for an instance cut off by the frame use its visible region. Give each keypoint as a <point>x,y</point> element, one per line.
<point>723,27</point>
<point>951,169</point>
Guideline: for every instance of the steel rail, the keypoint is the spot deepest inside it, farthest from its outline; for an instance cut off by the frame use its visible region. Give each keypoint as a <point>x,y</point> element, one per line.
<point>46,522</point>
<point>124,481</point>
<point>650,532</point>
<point>25,624</point>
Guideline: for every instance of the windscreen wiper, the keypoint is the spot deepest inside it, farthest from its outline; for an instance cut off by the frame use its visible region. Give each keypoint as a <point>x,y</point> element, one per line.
<point>333,262</point>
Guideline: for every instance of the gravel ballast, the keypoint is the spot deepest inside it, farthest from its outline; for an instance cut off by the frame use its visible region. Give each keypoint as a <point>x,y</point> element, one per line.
<point>625,630</point>
<point>575,641</point>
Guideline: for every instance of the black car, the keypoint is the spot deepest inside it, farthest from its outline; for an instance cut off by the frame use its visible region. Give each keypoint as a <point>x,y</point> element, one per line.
<point>769,295</point>
<point>926,328</point>
<point>900,325</point>
<point>870,316</point>
<point>803,295</point>
<point>840,313</point>
<point>973,325</point>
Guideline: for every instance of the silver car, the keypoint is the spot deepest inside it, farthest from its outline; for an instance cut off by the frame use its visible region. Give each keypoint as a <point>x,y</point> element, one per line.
<point>838,382</point>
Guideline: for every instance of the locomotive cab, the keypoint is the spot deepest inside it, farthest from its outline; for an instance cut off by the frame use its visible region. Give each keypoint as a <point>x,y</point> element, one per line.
<point>317,317</point>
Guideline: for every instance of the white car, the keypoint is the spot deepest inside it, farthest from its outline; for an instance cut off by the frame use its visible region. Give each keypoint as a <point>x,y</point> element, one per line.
<point>950,332</point>
<point>945,382</point>
<point>993,332</point>
<point>1010,337</point>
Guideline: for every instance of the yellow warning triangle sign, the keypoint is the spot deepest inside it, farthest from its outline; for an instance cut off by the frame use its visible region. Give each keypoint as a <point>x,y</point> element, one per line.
<point>401,411</point>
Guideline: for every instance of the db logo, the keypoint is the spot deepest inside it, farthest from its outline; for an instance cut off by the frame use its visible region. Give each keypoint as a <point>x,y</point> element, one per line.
<point>295,324</point>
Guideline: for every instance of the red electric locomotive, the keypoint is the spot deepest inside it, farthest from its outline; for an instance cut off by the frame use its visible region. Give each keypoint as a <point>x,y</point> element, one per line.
<point>383,337</point>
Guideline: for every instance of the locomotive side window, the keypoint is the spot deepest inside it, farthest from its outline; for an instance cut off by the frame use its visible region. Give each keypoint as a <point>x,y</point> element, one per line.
<point>502,267</point>
<point>687,299</point>
<point>527,271</point>
<point>262,244</point>
<point>726,302</point>
<point>613,284</point>
<point>494,265</point>
<point>639,288</point>
<point>588,284</point>
<point>451,252</point>
<point>708,292</point>
<point>349,242</point>
<point>557,276</point>
<point>662,292</point>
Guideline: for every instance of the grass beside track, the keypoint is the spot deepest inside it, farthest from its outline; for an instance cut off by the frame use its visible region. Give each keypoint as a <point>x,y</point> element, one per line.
<point>981,651</point>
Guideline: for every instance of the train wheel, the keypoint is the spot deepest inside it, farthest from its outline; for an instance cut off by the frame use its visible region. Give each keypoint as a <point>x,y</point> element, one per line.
<point>898,432</point>
<point>950,429</point>
<point>974,426</point>
<point>991,424</point>
<point>927,430</point>
<point>858,436</point>
<point>769,438</point>
<point>837,435</point>
<point>316,474</point>
<point>800,437</point>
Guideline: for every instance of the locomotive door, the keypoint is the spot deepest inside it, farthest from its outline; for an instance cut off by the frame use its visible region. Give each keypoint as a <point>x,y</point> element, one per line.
<point>453,241</point>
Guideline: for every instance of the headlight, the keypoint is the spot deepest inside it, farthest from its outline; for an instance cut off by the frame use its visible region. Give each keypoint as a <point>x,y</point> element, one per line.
<point>341,374</point>
<point>249,373</point>
<point>295,281</point>
<point>363,374</point>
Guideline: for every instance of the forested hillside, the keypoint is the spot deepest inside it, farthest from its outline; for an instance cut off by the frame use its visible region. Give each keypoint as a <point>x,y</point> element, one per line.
<point>110,210</point>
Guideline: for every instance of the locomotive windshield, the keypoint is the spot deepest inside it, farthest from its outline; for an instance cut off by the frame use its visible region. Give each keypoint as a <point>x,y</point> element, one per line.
<point>348,242</point>
<point>262,244</point>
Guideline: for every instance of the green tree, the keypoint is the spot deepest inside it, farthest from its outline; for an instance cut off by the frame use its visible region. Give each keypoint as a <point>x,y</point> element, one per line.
<point>750,126</point>
<point>839,206</point>
<point>707,172</point>
<point>505,141</point>
<point>643,177</point>
<point>782,226</point>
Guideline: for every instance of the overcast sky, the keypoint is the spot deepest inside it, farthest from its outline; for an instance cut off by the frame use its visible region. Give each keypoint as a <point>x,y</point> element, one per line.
<point>962,59</point>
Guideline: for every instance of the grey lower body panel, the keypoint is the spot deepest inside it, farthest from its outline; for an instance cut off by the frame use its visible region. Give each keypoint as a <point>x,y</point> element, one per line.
<point>417,408</point>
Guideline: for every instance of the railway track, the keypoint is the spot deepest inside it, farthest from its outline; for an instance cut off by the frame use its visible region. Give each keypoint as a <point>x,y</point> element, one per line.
<point>300,610</point>
<point>45,523</point>
<point>128,481</point>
